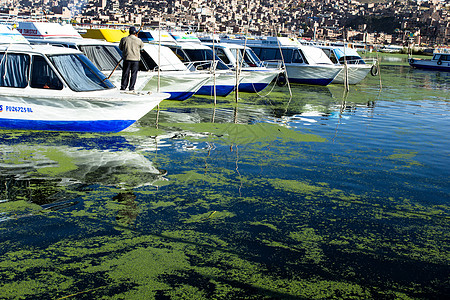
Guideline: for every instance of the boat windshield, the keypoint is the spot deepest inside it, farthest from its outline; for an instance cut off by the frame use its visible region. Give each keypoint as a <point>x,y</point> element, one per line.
<point>251,56</point>
<point>202,55</point>
<point>80,73</point>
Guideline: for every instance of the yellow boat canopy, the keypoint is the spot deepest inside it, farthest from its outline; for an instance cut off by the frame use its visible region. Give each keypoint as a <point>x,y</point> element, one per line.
<point>109,35</point>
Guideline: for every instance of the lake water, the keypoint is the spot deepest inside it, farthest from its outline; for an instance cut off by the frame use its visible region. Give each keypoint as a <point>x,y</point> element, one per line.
<point>322,195</point>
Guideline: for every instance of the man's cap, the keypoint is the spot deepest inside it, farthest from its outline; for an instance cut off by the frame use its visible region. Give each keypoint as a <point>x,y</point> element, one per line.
<point>133,30</point>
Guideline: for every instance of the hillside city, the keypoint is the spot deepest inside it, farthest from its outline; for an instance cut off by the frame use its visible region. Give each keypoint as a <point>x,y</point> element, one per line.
<point>399,22</point>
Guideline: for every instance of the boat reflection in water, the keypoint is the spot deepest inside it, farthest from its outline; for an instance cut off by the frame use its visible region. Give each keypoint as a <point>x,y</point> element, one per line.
<point>37,177</point>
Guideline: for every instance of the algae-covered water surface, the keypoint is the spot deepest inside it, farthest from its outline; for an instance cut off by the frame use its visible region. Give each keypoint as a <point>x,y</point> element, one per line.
<point>322,195</point>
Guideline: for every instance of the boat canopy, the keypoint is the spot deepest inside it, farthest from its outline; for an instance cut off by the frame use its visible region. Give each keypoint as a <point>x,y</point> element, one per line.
<point>107,34</point>
<point>168,61</point>
<point>47,30</point>
<point>105,56</point>
<point>341,52</point>
<point>315,55</point>
<point>9,35</point>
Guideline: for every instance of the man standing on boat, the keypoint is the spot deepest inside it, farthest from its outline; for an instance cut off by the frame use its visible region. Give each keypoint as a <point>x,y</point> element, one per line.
<point>131,47</point>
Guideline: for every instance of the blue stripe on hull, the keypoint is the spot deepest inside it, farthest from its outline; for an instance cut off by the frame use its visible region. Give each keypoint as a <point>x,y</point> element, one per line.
<point>79,126</point>
<point>252,87</point>
<point>221,90</point>
<point>435,68</point>
<point>323,81</point>
<point>180,95</point>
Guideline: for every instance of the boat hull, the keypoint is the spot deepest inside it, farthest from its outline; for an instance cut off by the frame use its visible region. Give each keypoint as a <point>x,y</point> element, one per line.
<point>257,80</point>
<point>429,65</point>
<point>356,73</point>
<point>311,74</point>
<point>224,83</point>
<point>75,126</point>
<point>89,112</point>
<point>179,85</point>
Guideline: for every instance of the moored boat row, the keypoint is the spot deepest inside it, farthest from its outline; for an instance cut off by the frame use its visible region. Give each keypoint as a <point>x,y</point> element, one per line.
<point>72,87</point>
<point>54,88</point>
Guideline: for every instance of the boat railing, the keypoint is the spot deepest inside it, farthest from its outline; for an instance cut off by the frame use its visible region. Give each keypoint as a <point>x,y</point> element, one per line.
<point>167,67</point>
<point>279,64</point>
<point>271,61</point>
<point>359,61</point>
<point>370,61</point>
<point>205,65</point>
<point>190,66</point>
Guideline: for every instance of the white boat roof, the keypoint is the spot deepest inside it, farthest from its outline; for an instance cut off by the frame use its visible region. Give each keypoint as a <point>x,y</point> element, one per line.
<point>156,35</point>
<point>9,35</point>
<point>35,49</point>
<point>71,41</point>
<point>184,37</point>
<point>266,41</point>
<point>313,55</point>
<point>341,51</point>
<point>191,46</point>
<point>47,30</point>
<point>224,45</point>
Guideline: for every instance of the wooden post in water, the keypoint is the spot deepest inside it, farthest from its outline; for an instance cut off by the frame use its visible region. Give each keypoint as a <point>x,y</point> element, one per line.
<point>214,66</point>
<point>159,54</point>
<point>237,77</point>
<point>379,70</point>
<point>345,69</point>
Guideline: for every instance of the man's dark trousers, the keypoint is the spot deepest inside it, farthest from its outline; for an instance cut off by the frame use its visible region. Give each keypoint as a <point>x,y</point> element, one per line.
<point>130,67</point>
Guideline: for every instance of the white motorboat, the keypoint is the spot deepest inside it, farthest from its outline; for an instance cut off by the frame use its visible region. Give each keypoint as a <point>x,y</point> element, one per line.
<point>439,62</point>
<point>222,80</point>
<point>304,64</point>
<point>160,69</point>
<point>256,76</point>
<point>54,88</point>
<point>357,67</point>
<point>391,49</point>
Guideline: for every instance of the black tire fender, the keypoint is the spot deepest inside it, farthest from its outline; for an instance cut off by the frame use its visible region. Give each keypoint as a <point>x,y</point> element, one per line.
<point>439,62</point>
<point>281,79</point>
<point>374,70</point>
